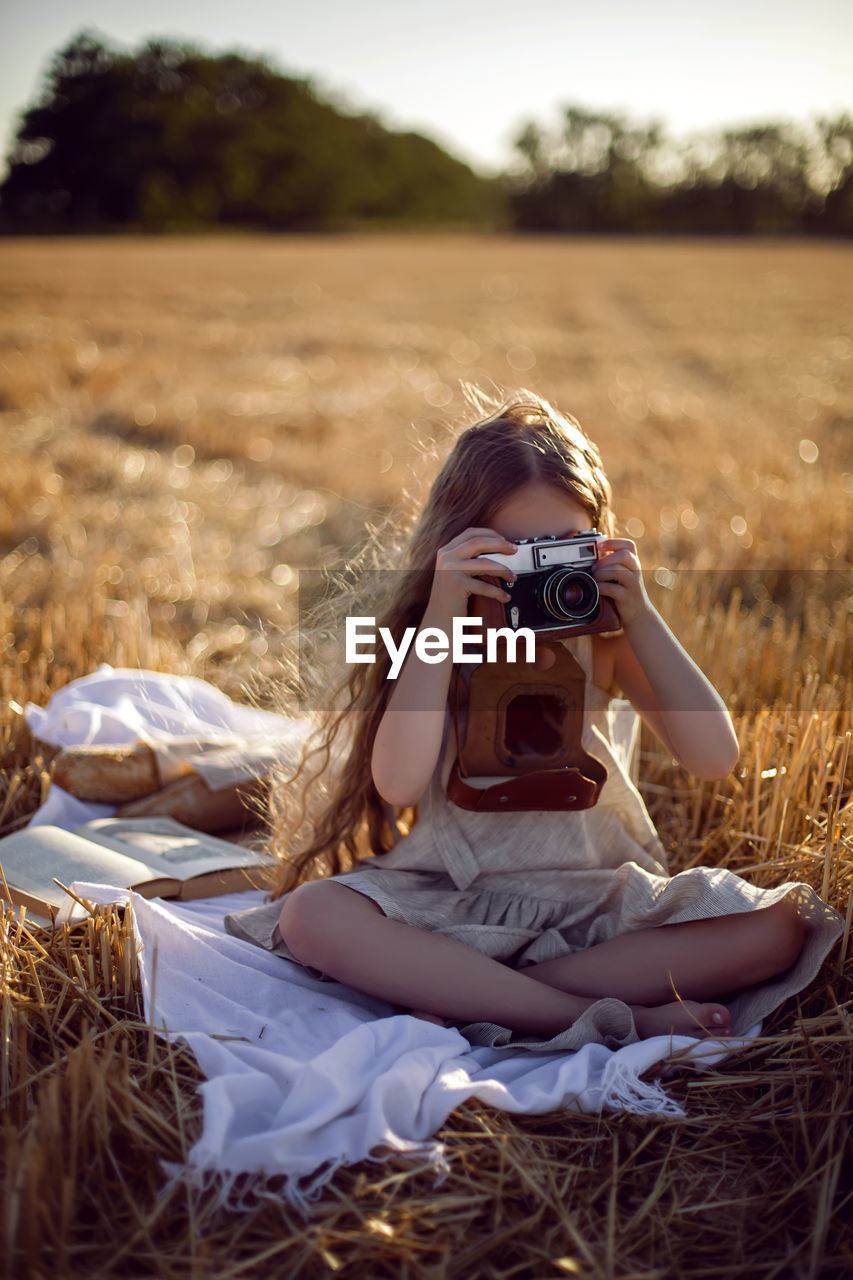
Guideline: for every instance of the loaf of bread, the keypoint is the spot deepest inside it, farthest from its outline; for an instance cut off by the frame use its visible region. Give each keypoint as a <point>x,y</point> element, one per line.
<point>109,775</point>
<point>191,801</point>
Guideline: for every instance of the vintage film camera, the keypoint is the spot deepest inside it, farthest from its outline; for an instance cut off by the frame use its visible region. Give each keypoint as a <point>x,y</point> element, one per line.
<point>555,591</point>
<point>519,726</point>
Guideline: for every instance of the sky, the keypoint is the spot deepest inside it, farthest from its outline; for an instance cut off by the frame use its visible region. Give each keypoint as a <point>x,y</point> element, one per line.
<point>470,73</point>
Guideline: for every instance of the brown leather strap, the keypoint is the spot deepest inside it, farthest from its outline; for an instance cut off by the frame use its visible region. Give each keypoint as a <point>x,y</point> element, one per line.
<point>548,790</point>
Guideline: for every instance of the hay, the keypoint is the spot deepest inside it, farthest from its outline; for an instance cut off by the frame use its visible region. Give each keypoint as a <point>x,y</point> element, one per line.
<point>756,1181</point>
<point>154,528</point>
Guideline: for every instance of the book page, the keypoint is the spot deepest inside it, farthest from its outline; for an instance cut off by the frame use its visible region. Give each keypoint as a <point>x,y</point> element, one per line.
<point>32,857</point>
<point>168,847</point>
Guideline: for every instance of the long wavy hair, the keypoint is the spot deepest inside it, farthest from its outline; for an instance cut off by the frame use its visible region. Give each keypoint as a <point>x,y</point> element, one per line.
<point>328,814</point>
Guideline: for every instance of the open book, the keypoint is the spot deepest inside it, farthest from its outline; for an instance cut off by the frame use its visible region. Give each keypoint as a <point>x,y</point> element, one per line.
<point>157,857</point>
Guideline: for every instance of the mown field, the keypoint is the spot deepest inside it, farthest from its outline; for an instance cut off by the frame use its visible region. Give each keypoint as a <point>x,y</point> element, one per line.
<point>187,423</point>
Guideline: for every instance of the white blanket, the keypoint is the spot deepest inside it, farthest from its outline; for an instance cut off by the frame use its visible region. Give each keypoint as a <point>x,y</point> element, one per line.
<point>305,1076</point>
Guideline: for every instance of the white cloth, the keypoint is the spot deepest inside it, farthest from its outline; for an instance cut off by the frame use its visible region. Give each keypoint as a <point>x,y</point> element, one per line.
<point>304,1076</point>
<point>185,721</point>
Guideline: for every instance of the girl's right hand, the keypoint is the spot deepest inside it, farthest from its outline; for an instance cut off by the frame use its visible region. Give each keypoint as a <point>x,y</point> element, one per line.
<point>409,735</point>
<point>457,570</point>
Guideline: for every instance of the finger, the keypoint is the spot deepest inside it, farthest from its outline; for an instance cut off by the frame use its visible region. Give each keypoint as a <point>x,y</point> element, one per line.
<point>620,591</point>
<point>623,578</point>
<point>619,560</point>
<point>477,587</point>
<point>614,591</point>
<point>473,559</point>
<point>616,544</point>
<point>481,565</point>
<point>610,587</point>
<point>470,551</point>
<point>493,540</point>
<point>615,586</point>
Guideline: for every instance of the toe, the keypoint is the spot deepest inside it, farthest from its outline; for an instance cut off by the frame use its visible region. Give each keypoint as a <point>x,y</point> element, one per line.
<point>716,1019</point>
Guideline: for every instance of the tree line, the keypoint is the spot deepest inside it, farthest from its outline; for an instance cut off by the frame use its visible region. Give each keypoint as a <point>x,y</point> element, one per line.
<point>172,138</point>
<point>599,171</point>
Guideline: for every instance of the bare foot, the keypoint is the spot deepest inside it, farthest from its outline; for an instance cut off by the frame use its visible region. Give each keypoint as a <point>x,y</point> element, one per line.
<point>682,1018</point>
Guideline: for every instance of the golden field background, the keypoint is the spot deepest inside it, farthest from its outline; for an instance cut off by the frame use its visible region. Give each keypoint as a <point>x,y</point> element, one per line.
<point>186,423</point>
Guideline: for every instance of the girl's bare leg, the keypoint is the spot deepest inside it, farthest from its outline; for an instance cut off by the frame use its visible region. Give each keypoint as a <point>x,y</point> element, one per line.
<point>697,960</point>
<point>347,936</point>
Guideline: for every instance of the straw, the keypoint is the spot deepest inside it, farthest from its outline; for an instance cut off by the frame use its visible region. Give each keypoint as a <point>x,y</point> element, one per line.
<point>155,499</point>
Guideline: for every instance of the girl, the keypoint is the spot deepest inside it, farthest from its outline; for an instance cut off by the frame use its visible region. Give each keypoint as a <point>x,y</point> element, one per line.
<point>542,930</point>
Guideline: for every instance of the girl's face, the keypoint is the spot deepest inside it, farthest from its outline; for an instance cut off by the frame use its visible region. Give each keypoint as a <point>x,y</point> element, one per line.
<point>539,510</point>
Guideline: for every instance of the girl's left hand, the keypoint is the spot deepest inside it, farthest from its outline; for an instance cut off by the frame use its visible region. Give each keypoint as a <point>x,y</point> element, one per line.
<point>620,577</point>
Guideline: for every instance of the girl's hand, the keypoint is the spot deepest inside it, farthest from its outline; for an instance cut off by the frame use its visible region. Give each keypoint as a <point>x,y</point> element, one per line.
<point>457,571</point>
<point>620,577</point>
<point>409,735</point>
<point>674,698</point>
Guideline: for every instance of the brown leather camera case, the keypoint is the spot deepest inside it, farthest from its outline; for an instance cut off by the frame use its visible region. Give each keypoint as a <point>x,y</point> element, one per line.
<point>521,725</point>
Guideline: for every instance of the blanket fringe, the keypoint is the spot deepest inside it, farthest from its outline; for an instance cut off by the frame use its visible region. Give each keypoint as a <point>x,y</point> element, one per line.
<point>623,1090</point>
<point>225,1191</point>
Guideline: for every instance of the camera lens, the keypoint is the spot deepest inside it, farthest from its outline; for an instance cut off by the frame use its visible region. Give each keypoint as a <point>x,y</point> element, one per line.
<point>570,595</point>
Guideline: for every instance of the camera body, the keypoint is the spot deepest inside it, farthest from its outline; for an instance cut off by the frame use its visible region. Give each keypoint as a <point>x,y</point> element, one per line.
<point>555,591</point>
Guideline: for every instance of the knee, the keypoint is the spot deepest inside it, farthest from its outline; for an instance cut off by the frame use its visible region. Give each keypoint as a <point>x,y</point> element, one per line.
<point>304,920</point>
<point>785,934</point>
<point>313,920</point>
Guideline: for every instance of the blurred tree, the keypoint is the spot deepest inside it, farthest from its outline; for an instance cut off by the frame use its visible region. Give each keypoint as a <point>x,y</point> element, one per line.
<point>593,175</point>
<point>835,174</point>
<point>600,172</point>
<point>171,137</point>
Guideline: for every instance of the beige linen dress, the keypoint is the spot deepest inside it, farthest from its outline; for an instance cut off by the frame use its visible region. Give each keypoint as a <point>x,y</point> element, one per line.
<point>529,887</point>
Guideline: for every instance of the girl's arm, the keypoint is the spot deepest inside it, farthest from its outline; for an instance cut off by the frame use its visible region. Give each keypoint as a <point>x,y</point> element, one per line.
<point>656,674</point>
<point>408,739</point>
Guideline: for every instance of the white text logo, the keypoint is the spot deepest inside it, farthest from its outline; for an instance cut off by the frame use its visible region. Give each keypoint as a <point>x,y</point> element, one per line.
<point>433,645</point>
